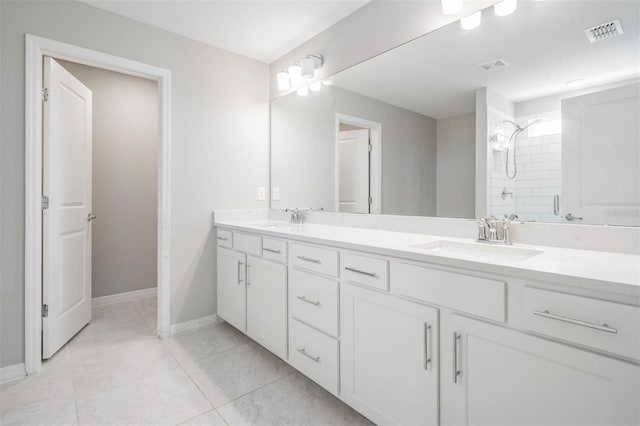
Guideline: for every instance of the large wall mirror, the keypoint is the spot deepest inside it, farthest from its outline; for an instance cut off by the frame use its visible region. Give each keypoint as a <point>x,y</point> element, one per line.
<point>530,114</point>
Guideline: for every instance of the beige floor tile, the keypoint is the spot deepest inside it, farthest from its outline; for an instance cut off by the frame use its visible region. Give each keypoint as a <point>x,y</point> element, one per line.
<point>55,414</point>
<point>210,418</point>
<point>207,341</point>
<point>100,337</point>
<point>115,313</point>
<point>147,307</point>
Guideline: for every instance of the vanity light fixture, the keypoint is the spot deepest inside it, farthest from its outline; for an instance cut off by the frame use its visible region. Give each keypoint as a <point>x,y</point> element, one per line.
<point>283,80</point>
<point>505,7</point>
<point>575,83</point>
<point>295,74</point>
<point>451,7</point>
<point>310,64</point>
<point>303,91</point>
<point>316,86</point>
<point>472,21</point>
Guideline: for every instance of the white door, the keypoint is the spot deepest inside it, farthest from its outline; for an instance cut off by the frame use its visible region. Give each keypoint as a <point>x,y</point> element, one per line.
<point>66,223</point>
<point>353,171</point>
<point>601,157</point>
<point>267,304</point>
<point>232,292</point>
<point>495,376</point>
<point>389,359</point>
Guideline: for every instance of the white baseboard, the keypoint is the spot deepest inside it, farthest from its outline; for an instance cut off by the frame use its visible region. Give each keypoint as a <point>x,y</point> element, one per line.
<point>12,372</point>
<point>193,324</point>
<point>124,297</point>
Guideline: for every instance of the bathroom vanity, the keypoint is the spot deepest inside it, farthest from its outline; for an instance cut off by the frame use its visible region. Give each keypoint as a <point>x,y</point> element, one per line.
<point>416,329</point>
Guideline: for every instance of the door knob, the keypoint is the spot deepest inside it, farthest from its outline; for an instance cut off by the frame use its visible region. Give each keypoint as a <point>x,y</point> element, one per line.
<point>90,217</point>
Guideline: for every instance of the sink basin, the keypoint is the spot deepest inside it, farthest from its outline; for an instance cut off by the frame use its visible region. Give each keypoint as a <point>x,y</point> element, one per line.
<point>274,225</point>
<point>487,252</point>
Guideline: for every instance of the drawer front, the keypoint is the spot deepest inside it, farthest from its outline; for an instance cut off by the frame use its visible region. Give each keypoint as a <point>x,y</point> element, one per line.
<point>273,249</point>
<point>314,300</point>
<point>466,293</point>
<point>609,326</point>
<point>251,244</point>
<point>314,354</point>
<point>314,259</point>
<point>366,270</point>
<point>224,238</point>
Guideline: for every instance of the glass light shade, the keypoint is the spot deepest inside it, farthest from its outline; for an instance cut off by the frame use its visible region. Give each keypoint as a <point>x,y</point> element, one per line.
<point>472,21</point>
<point>303,91</point>
<point>327,82</point>
<point>295,74</point>
<point>315,86</point>
<point>451,7</point>
<point>283,80</point>
<point>505,7</point>
<point>308,68</point>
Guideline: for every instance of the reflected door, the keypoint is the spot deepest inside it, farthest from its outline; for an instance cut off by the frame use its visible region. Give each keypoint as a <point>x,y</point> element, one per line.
<point>353,171</point>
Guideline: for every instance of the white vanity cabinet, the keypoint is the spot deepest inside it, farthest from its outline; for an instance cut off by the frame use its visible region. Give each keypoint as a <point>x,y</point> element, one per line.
<point>389,357</point>
<point>492,375</point>
<point>232,292</point>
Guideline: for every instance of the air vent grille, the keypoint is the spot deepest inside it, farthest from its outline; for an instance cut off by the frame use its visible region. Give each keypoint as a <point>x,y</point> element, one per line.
<point>493,65</point>
<point>604,31</point>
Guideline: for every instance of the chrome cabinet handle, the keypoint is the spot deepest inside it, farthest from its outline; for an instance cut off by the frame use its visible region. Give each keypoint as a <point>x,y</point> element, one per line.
<point>239,272</point>
<point>247,277</point>
<point>303,351</point>
<point>271,250</point>
<point>223,238</point>
<point>311,302</point>
<point>556,205</point>
<point>90,217</point>
<point>358,271</point>
<point>456,369</point>
<point>308,259</point>
<point>427,345</point>
<point>603,327</point>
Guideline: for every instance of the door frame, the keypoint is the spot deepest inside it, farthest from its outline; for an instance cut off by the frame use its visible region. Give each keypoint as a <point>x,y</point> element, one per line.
<point>35,48</point>
<point>375,165</point>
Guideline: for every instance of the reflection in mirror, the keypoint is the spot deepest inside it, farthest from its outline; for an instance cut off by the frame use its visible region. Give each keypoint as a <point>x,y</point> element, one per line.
<point>527,114</point>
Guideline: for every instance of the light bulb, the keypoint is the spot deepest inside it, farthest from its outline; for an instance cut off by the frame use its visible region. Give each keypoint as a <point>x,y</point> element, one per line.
<point>505,7</point>
<point>303,91</point>
<point>283,80</point>
<point>316,86</point>
<point>451,7</point>
<point>472,21</point>
<point>295,74</point>
<point>327,82</point>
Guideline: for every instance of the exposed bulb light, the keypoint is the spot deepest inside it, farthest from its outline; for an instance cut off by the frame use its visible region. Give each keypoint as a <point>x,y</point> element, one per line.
<point>451,7</point>
<point>505,7</point>
<point>575,83</point>
<point>327,82</point>
<point>283,80</point>
<point>316,86</point>
<point>472,21</point>
<point>295,74</point>
<point>303,91</point>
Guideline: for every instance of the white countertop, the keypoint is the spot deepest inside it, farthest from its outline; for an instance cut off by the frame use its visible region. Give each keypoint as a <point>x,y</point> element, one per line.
<point>606,271</point>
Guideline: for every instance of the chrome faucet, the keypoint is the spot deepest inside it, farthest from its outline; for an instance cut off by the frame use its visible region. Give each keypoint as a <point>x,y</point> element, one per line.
<point>297,215</point>
<point>495,231</point>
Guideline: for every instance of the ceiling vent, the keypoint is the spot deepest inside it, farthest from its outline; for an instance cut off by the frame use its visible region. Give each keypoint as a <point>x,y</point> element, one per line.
<point>604,31</point>
<point>493,65</point>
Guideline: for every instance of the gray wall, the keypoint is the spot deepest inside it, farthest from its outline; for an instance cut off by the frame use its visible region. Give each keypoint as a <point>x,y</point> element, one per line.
<point>219,136</point>
<point>125,182</point>
<point>303,151</point>
<point>456,194</point>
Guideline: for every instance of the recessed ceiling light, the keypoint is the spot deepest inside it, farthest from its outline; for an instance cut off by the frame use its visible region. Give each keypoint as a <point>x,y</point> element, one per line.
<point>505,7</point>
<point>451,7</point>
<point>575,83</point>
<point>472,21</point>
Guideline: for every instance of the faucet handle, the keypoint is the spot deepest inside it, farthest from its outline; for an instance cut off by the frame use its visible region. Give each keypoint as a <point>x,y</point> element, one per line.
<point>482,229</point>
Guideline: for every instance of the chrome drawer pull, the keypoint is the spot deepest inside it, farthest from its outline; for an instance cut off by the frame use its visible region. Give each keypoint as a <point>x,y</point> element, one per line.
<point>239,273</point>
<point>603,327</point>
<point>223,238</point>
<point>358,271</point>
<point>303,351</point>
<point>311,302</point>
<point>308,259</point>
<point>271,250</point>
<point>427,346</point>
<point>456,369</point>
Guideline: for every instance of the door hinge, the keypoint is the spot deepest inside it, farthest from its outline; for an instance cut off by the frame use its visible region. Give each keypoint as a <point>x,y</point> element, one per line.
<point>45,202</point>
<point>45,311</point>
<point>370,147</point>
<point>370,200</point>
<point>45,94</point>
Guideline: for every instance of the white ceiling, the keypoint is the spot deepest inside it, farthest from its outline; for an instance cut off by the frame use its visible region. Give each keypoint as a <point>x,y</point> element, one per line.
<point>264,30</point>
<point>544,43</point>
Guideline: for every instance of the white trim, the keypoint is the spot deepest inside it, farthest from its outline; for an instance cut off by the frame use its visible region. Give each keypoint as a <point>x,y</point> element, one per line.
<point>12,372</point>
<point>128,296</point>
<point>193,325</point>
<point>375,178</point>
<point>36,48</point>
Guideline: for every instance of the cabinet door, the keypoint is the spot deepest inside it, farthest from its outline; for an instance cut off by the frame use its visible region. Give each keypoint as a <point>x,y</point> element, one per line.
<point>232,302</point>
<point>495,376</point>
<point>389,362</point>
<point>267,304</point>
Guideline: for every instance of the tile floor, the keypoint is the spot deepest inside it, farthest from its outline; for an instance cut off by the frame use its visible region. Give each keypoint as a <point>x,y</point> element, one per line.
<point>117,372</point>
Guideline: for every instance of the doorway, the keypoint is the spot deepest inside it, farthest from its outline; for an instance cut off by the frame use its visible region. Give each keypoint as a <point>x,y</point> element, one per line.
<point>37,49</point>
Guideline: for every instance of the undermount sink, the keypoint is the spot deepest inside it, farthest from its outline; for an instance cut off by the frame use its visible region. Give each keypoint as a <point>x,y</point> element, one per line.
<point>494,253</point>
<point>274,225</point>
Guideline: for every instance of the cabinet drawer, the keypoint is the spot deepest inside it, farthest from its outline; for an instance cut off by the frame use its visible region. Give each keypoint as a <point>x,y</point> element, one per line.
<point>474,295</point>
<point>251,244</point>
<point>609,326</point>
<point>315,355</point>
<point>314,259</point>
<point>367,270</point>
<point>225,238</point>
<point>314,300</point>
<point>274,249</point>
